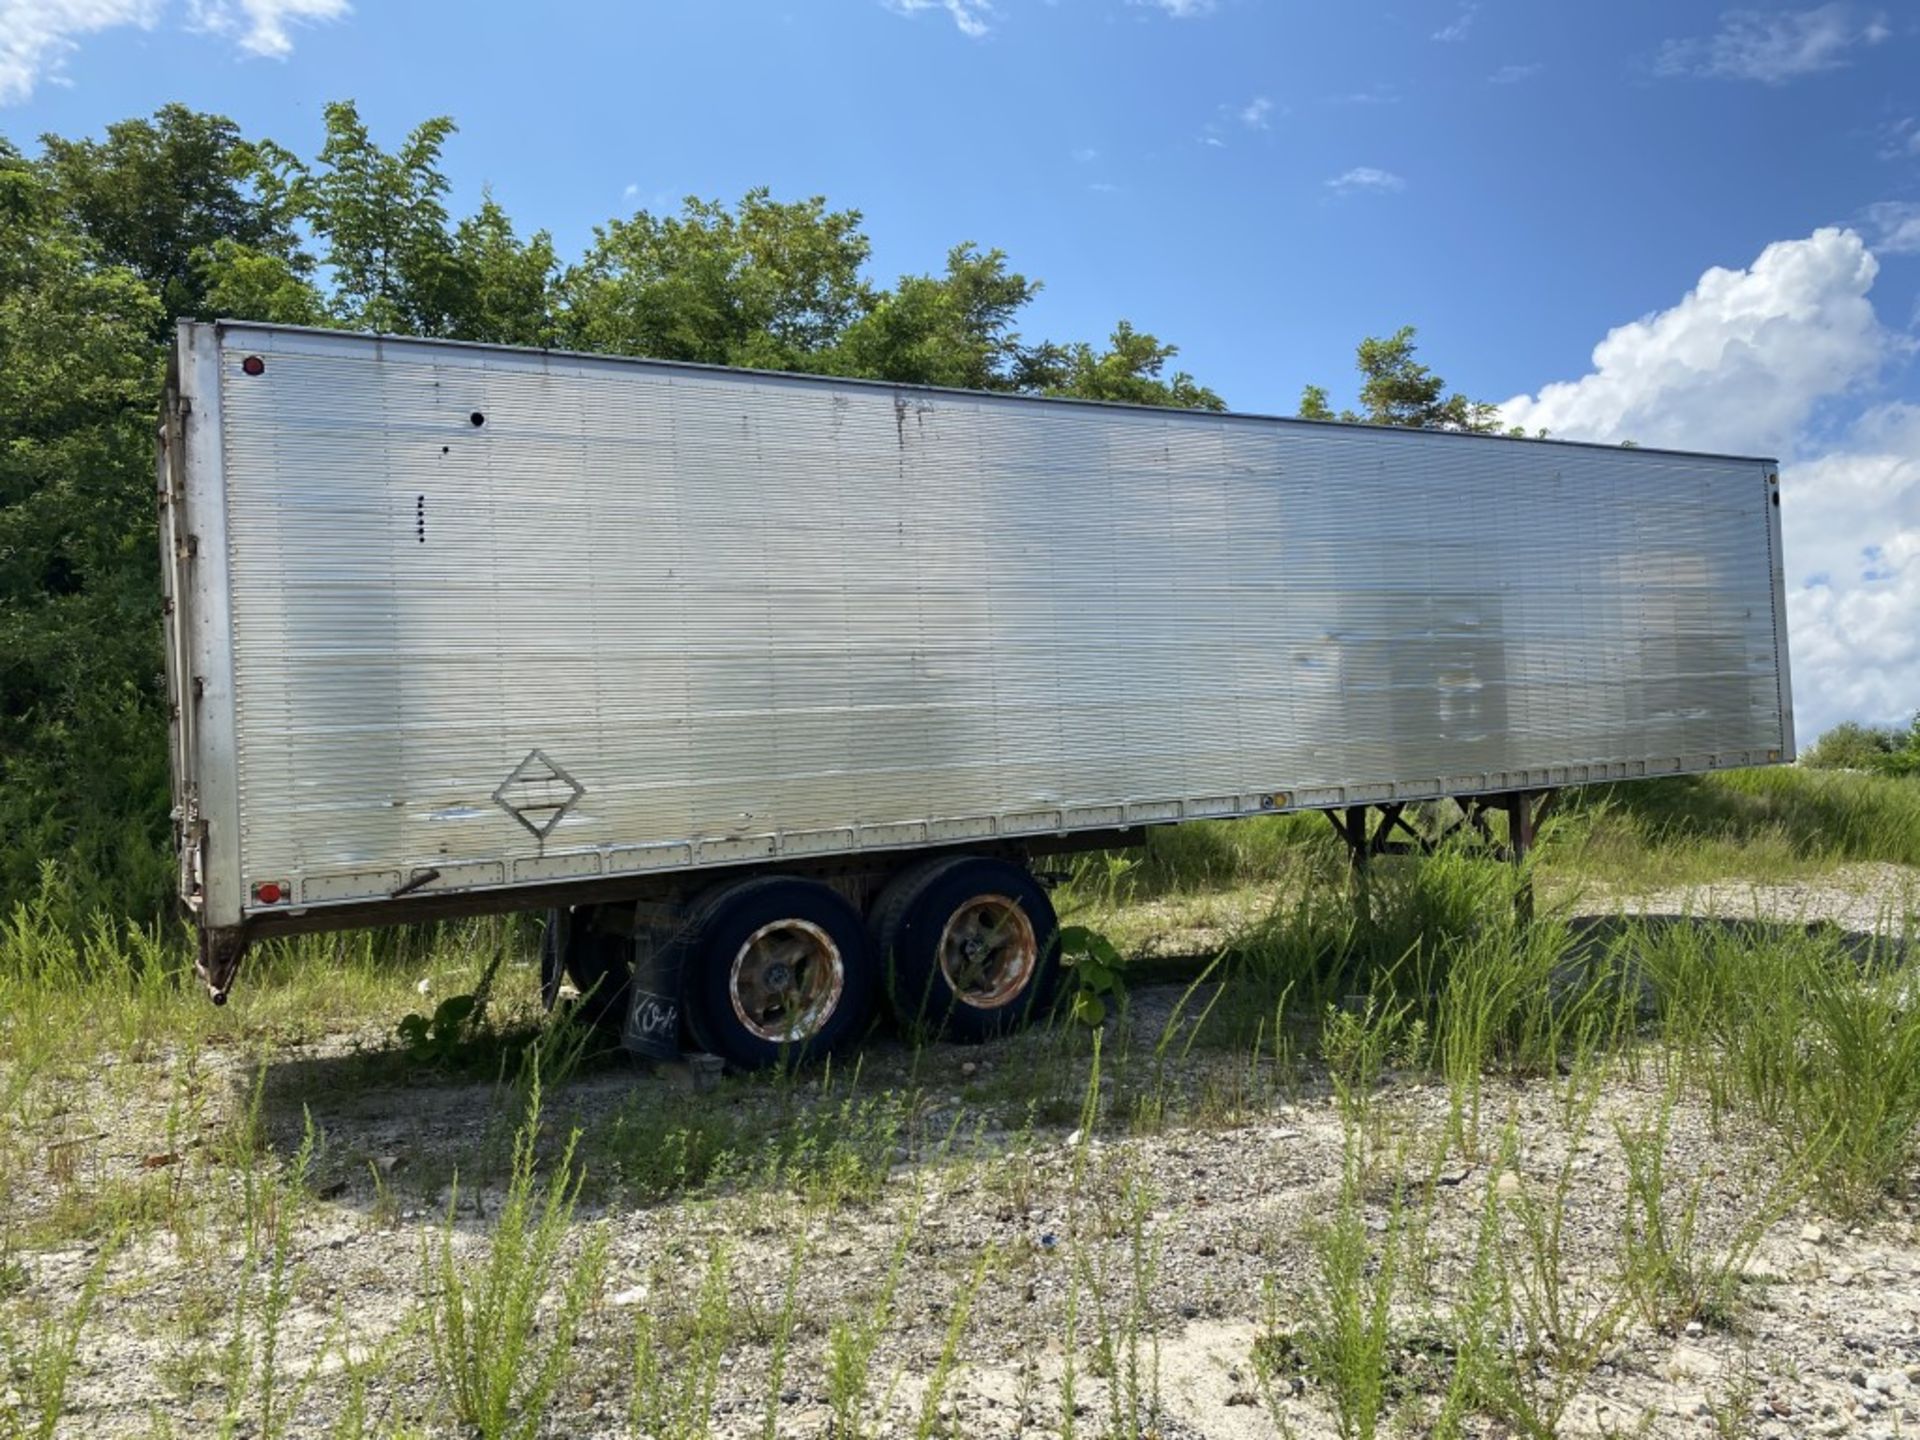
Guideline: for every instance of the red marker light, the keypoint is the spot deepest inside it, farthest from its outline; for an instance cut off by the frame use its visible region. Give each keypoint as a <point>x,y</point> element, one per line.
<point>268,892</point>
<point>254,365</point>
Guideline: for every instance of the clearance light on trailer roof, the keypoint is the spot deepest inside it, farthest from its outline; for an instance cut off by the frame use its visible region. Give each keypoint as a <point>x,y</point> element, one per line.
<point>254,365</point>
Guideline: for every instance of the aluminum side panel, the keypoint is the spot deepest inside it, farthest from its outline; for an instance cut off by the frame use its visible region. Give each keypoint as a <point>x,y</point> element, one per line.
<point>745,616</point>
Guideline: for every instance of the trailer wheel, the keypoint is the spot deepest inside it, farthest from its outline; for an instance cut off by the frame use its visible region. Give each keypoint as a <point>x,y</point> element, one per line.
<point>782,973</point>
<point>600,967</point>
<point>969,947</point>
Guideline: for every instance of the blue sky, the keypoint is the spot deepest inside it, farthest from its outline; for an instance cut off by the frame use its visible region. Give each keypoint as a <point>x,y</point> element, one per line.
<point>1260,181</point>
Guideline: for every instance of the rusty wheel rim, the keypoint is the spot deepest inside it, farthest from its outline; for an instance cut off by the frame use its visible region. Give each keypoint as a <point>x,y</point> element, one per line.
<point>786,980</point>
<point>988,951</point>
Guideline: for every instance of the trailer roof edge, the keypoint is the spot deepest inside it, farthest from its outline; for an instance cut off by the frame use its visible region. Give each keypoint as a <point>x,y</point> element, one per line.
<point>650,362</point>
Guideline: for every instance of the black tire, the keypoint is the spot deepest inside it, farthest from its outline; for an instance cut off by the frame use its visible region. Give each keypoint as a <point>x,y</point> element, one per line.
<point>780,972</point>
<point>600,967</point>
<point>1001,965</point>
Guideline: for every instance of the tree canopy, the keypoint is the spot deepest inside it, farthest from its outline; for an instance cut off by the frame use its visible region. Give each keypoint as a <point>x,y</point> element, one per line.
<point>1396,389</point>
<point>1851,745</point>
<point>362,237</point>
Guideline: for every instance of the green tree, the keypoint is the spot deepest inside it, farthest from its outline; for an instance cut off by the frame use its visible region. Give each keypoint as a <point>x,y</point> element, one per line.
<point>768,283</point>
<point>1397,389</point>
<point>156,195</point>
<point>82,731</point>
<point>1129,370</point>
<point>1851,745</point>
<point>381,220</point>
<point>953,329</point>
<point>1905,759</point>
<point>507,284</point>
<point>242,283</point>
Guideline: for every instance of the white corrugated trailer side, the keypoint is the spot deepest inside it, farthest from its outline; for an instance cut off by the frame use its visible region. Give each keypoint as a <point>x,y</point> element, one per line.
<point>457,626</point>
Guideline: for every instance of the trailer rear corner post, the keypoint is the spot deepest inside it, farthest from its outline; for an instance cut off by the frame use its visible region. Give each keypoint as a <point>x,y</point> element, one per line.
<point>1364,839</point>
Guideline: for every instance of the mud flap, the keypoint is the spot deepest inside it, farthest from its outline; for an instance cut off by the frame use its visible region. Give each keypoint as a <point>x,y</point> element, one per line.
<point>654,1005</point>
<point>555,937</point>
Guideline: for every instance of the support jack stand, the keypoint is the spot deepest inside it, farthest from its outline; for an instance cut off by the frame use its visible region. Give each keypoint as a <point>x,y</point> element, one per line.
<point>1395,834</point>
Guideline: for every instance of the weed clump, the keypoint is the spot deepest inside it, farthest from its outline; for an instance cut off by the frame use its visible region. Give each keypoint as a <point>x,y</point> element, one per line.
<point>498,1367</point>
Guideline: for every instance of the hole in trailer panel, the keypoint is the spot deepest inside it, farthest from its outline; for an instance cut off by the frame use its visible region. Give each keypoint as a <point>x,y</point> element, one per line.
<point>420,518</point>
<point>476,419</point>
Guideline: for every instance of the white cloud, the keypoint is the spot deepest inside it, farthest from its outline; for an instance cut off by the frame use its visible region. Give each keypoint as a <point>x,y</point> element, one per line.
<point>1896,226</point>
<point>260,26</point>
<point>1381,94</point>
<point>1179,9</point>
<point>1773,47</point>
<point>1748,362</point>
<point>1085,155</point>
<point>1851,520</point>
<point>1255,112</point>
<point>970,17</point>
<point>1737,365</point>
<point>1514,74</point>
<point>1365,178</point>
<point>36,36</point>
<point>1901,139</point>
<point>1457,28</point>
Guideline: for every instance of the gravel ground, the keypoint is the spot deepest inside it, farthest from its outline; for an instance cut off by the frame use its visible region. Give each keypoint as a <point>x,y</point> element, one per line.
<point>1215,1214</point>
<point>1861,899</point>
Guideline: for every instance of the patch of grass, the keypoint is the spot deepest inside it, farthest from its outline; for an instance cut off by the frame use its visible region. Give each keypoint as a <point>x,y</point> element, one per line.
<point>853,1339</point>
<point>1813,1033</point>
<point>1770,822</point>
<point>780,1342</point>
<point>756,1134</point>
<point>941,1377</point>
<point>1202,855</point>
<point>1667,1265</point>
<point>1345,1342</point>
<point>654,1147</point>
<point>676,1359</point>
<point>1531,1328</point>
<point>1520,1001</point>
<point>255,1398</point>
<point>68,993</point>
<point>39,1364</point>
<point>498,1362</point>
<point>1117,1283</point>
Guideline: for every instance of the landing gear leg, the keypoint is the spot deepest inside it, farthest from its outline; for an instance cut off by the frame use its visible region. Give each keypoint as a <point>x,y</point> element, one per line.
<point>218,960</point>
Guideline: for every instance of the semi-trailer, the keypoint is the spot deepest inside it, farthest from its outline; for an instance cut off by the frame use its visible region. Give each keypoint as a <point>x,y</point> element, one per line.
<point>776,685</point>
